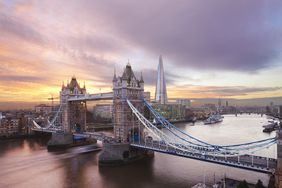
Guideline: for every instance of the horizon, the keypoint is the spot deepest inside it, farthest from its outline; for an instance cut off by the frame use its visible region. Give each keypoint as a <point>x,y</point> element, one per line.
<point>195,102</point>
<point>221,51</point>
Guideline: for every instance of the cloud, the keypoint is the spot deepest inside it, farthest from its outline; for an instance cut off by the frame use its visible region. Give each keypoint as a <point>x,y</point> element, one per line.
<point>45,42</point>
<point>9,25</point>
<point>150,77</point>
<point>221,91</point>
<point>239,90</point>
<point>17,78</point>
<point>237,35</point>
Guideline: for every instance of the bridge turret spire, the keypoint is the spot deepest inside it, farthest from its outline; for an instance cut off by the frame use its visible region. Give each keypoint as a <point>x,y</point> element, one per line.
<point>115,77</point>
<point>141,78</point>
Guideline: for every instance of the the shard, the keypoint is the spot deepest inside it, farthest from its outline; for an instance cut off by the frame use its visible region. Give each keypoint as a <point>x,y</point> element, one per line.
<point>160,94</point>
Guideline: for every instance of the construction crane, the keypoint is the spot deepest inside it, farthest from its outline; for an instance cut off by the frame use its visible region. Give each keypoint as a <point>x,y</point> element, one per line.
<point>52,99</point>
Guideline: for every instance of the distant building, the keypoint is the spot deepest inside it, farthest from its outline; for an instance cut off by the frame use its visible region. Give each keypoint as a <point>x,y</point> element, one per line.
<point>147,96</point>
<point>9,127</point>
<point>43,109</point>
<point>219,102</point>
<point>202,112</point>
<point>103,113</point>
<point>211,106</point>
<point>161,94</point>
<point>280,111</point>
<point>185,102</point>
<point>171,111</point>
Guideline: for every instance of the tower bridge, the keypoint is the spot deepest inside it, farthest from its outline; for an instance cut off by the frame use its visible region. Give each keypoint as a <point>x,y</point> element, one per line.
<point>136,137</point>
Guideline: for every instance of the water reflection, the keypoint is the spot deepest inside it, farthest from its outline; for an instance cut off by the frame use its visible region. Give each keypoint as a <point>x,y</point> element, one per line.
<point>136,175</point>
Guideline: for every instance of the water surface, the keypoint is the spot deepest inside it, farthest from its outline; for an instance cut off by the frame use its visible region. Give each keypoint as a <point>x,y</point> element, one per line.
<point>27,163</point>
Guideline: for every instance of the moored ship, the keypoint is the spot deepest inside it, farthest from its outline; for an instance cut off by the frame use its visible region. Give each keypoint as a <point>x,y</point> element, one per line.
<point>215,118</point>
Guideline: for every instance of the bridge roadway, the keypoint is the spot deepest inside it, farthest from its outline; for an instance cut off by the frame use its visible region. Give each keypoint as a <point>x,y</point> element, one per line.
<point>248,162</point>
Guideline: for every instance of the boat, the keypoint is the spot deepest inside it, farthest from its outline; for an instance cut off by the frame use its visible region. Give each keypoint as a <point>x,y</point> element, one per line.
<point>200,185</point>
<point>85,149</point>
<point>215,118</point>
<point>271,126</point>
<point>217,185</point>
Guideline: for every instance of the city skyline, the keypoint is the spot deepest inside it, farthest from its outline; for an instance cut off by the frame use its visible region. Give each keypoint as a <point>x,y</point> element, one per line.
<point>210,50</point>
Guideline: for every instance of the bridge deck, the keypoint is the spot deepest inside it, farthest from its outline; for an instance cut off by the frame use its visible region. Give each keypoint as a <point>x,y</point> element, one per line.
<point>248,162</point>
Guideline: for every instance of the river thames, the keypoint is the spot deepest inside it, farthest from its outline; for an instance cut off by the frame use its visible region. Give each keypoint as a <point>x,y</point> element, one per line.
<point>27,163</point>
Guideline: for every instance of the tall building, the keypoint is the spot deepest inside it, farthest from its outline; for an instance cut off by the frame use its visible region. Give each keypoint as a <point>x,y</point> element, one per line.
<point>125,122</point>
<point>160,94</point>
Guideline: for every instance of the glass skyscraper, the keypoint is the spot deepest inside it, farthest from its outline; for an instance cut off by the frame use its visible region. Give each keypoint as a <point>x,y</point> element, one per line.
<point>160,94</point>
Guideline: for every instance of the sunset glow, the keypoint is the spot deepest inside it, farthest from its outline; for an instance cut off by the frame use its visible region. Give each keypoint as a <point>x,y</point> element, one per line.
<point>210,49</point>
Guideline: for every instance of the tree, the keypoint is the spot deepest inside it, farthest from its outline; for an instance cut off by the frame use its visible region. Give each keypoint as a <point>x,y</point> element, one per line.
<point>259,184</point>
<point>243,184</point>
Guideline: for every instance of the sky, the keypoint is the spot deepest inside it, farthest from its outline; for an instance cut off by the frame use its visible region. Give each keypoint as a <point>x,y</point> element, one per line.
<point>210,49</point>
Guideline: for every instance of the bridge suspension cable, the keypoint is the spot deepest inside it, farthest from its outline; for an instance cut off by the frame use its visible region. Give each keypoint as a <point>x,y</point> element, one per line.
<point>172,141</point>
<point>235,147</point>
<point>55,123</point>
<point>158,133</point>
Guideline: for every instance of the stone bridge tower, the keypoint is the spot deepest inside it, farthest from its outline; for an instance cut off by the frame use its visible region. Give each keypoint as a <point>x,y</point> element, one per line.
<point>126,125</point>
<point>74,113</point>
<point>127,86</point>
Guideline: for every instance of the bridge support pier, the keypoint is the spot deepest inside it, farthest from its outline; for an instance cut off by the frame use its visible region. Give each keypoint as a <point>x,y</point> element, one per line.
<point>60,140</point>
<point>278,172</point>
<point>121,153</point>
